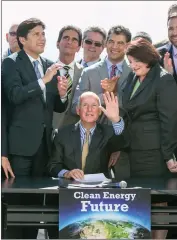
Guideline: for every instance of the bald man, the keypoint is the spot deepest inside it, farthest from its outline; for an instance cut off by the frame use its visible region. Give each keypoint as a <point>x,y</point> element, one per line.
<point>68,152</point>
<point>11,38</point>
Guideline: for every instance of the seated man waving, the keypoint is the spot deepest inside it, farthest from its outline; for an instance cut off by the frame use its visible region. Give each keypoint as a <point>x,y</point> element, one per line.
<point>85,147</point>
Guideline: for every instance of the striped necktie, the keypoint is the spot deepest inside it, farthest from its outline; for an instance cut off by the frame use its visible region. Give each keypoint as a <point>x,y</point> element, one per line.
<point>85,148</point>
<point>113,71</point>
<point>69,80</point>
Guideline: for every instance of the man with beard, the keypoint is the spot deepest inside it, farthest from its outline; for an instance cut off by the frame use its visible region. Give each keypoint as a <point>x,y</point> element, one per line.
<point>112,71</point>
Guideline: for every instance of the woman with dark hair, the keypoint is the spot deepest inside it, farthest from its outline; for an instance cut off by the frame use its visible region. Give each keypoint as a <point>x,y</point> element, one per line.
<point>150,99</point>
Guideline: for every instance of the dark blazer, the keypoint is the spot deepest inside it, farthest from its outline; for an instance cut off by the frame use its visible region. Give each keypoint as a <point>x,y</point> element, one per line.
<point>30,114</point>
<point>4,146</point>
<point>162,50</point>
<point>152,112</point>
<point>66,151</point>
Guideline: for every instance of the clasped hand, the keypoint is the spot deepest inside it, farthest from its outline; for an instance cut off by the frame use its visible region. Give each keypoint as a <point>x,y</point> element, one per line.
<point>109,85</point>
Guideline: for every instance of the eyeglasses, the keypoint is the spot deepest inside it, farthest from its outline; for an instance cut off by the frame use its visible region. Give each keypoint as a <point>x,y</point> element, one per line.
<point>90,42</point>
<point>13,34</point>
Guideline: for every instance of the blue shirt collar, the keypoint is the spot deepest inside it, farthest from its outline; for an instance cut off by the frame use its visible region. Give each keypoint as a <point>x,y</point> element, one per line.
<point>119,65</point>
<point>83,130</point>
<point>89,63</point>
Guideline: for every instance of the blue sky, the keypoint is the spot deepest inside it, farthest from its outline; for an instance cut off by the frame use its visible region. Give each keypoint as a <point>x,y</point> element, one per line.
<point>136,15</point>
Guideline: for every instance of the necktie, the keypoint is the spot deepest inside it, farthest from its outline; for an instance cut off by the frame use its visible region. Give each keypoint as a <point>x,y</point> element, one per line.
<point>137,84</point>
<point>85,149</point>
<point>36,69</point>
<point>38,74</point>
<point>85,65</point>
<point>113,71</point>
<point>69,80</point>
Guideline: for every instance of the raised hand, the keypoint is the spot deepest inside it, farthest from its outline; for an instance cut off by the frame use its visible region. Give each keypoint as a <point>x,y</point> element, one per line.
<point>51,72</point>
<point>168,63</point>
<point>109,85</point>
<point>62,85</point>
<point>112,107</point>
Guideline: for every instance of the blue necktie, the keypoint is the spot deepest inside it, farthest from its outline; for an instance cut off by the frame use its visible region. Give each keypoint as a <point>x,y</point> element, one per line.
<point>38,74</point>
<point>36,69</point>
<point>85,65</point>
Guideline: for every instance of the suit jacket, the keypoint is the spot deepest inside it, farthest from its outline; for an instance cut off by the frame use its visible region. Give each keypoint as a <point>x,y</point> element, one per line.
<point>90,81</point>
<point>66,151</point>
<point>4,144</point>
<point>91,78</point>
<point>67,117</point>
<point>152,112</point>
<point>162,50</point>
<point>30,114</point>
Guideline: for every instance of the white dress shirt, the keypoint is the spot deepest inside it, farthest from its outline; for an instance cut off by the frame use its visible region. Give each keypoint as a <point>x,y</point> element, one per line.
<point>40,81</point>
<point>71,70</point>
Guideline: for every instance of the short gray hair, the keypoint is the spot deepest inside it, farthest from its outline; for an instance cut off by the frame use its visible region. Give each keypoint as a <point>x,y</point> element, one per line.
<point>95,29</point>
<point>89,93</point>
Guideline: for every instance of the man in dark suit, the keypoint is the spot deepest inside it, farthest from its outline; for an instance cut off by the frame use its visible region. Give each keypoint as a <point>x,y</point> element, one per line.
<point>68,43</point>
<point>91,143</point>
<point>169,51</point>
<point>7,170</point>
<point>33,93</point>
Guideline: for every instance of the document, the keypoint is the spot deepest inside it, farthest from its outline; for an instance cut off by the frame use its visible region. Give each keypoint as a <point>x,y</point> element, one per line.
<point>93,178</point>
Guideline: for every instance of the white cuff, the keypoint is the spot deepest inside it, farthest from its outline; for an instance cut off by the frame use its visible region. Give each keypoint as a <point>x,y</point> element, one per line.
<point>41,84</point>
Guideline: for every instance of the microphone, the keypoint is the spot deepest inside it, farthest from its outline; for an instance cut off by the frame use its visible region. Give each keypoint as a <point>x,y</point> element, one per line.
<point>121,184</point>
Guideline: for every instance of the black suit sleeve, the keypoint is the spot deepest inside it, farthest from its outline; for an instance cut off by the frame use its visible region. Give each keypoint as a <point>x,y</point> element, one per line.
<point>55,164</point>
<point>167,110</point>
<point>4,149</point>
<point>60,106</point>
<point>16,92</point>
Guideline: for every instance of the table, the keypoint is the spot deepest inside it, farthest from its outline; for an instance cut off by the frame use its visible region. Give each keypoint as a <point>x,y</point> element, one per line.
<point>47,215</point>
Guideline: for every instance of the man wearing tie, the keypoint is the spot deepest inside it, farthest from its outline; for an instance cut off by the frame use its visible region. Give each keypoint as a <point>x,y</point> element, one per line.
<point>91,143</point>
<point>68,43</point>
<point>33,92</point>
<point>103,76</point>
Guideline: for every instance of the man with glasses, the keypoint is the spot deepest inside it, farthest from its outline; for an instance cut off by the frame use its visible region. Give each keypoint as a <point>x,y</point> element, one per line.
<point>68,43</point>
<point>93,44</point>
<point>11,38</point>
<point>109,75</point>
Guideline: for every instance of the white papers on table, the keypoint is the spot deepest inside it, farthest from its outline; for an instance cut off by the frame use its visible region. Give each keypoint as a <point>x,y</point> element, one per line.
<point>93,178</point>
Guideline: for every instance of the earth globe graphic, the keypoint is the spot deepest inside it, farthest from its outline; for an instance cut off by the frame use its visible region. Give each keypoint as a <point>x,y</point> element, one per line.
<point>104,229</point>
